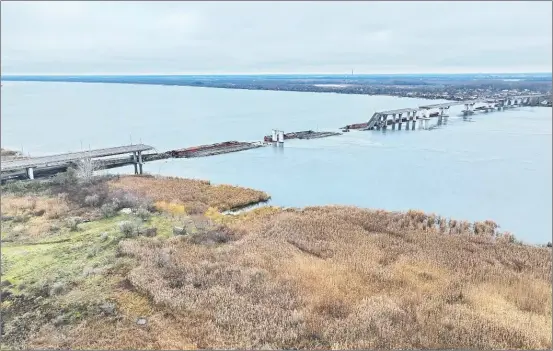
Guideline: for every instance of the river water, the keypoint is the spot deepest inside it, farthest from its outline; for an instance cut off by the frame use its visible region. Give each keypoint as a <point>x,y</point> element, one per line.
<point>492,166</point>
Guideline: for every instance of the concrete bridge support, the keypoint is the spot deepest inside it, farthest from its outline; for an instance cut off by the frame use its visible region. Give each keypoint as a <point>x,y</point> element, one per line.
<point>30,173</point>
<point>137,161</point>
<point>400,120</point>
<point>469,109</point>
<point>422,120</point>
<point>411,118</point>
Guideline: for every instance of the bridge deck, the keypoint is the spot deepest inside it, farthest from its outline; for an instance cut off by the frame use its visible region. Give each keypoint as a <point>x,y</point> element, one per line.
<point>72,156</point>
<point>402,110</point>
<point>446,104</point>
<point>524,96</point>
<point>490,100</point>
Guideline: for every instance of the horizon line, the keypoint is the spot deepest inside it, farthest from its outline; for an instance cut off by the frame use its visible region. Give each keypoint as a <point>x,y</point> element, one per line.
<point>261,73</point>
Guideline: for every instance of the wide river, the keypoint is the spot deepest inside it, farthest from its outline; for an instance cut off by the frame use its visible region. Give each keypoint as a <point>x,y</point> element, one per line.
<point>492,166</point>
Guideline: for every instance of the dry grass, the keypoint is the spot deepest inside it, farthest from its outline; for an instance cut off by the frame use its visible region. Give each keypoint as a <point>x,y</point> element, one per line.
<point>322,277</point>
<point>34,215</point>
<point>338,277</point>
<point>196,195</point>
<point>19,205</point>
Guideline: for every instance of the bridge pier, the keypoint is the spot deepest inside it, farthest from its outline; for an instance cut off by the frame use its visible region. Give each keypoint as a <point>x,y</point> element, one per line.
<point>140,161</point>
<point>469,109</point>
<point>383,121</point>
<point>422,119</point>
<point>30,173</point>
<point>134,163</point>
<point>400,121</point>
<point>422,113</point>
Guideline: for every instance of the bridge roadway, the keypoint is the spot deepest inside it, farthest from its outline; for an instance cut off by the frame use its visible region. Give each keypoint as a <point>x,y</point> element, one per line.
<point>489,100</point>
<point>47,161</point>
<point>412,113</point>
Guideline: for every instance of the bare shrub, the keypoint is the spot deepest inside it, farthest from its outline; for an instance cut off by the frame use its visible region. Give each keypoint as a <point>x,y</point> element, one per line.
<point>148,232</point>
<point>126,198</point>
<point>73,223</point>
<point>143,214</point>
<point>85,169</point>
<point>92,200</point>
<point>58,288</point>
<point>109,210</point>
<point>67,178</point>
<point>128,228</point>
<point>506,237</point>
<point>196,208</point>
<point>21,218</point>
<point>179,231</point>
<point>212,236</point>
<point>108,308</point>
<point>333,308</point>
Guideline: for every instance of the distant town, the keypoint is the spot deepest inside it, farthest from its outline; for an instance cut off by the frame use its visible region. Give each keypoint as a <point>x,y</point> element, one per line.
<point>448,87</point>
<point>416,87</point>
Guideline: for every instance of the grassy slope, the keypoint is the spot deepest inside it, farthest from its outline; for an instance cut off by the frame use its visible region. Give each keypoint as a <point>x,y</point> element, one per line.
<point>328,277</point>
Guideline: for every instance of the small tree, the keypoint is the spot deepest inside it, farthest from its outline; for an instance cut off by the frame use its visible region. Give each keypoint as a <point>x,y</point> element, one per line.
<point>86,168</point>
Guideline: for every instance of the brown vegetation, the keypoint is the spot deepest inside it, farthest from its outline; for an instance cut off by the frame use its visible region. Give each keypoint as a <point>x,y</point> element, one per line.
<point>32,216</point>
<point>196,195</point>
<point>323,277</point>
<point>340,277</point>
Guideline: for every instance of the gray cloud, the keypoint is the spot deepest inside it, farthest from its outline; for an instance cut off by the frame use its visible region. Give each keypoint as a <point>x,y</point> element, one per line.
<point>209,37</point>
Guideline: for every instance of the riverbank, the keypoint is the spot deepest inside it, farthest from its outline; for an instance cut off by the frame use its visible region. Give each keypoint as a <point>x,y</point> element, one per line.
<point>451,87</point>
<point>152,263</point>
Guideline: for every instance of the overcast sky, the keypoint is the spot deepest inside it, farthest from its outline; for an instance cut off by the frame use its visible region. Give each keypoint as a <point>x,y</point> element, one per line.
<point>275,37</point>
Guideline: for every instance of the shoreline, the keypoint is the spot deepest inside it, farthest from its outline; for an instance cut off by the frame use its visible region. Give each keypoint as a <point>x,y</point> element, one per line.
<point>92,255</point>
<point>407,91</point>
<point>242,208</point>
<point>265,202</point>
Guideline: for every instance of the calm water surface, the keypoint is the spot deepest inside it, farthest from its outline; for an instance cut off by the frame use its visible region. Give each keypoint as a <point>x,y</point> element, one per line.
<point>494,166</point>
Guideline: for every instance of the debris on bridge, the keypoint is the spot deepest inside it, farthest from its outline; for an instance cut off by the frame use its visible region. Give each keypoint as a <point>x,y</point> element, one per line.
<point>214,149</point>
<point>307,134</point>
